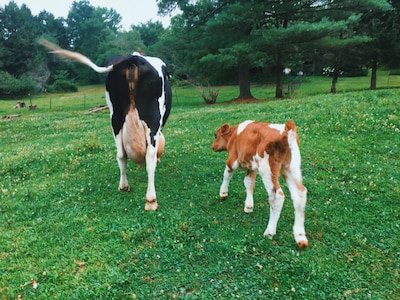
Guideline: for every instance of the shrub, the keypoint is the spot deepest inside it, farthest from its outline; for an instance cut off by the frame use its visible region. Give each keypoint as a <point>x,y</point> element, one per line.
<point>212,95</point>
<point>62,84</point>
<point>11,86</point>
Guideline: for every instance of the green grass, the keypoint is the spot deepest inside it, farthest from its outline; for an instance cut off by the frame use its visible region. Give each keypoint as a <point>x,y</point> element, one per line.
<point>65,225</point>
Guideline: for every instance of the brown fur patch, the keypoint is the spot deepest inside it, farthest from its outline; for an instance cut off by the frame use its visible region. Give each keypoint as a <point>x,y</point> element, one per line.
<point>256,138</point>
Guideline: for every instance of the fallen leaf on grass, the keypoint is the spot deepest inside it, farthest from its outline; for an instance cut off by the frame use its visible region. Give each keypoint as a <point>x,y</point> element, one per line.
<point>34,284</point>
<point>81,266</point>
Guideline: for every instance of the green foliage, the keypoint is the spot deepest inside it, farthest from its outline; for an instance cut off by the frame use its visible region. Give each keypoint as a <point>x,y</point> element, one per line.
<point>19,31</point>
<point>65,225</point>
<point>210,41</point>
<point>61,84</point>
<point>150,32</point>
<point>11,86</point>
<point>83,20</point>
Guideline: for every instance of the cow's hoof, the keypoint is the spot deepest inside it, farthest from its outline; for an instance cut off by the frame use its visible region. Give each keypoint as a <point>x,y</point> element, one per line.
<point>248,209</point>
<point>126,188</point>
<point>151,205</point>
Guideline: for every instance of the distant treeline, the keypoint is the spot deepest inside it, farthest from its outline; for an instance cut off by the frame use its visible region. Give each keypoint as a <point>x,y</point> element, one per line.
<point>208,42</point>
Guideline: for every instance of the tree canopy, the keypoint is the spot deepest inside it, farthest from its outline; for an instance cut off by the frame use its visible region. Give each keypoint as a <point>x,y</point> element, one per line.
<point>208,42</point>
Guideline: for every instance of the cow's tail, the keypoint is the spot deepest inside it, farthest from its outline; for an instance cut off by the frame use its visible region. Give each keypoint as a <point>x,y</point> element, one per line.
<point>74,56</point>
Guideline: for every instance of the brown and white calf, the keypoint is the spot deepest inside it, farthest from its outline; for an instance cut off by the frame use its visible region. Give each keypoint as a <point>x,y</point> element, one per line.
<point>270,150</point>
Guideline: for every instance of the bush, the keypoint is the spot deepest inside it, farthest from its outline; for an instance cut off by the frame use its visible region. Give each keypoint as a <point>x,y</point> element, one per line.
<point>62,86</point>
<point>11,86</point>
<point>355,72</point>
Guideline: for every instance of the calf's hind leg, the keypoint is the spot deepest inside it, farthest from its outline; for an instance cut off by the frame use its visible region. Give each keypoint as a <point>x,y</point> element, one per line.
<point>249,183</point>
<point>223,191</point>
<point>276,200</point>
<point>298,193</point>
<point>275,194</point>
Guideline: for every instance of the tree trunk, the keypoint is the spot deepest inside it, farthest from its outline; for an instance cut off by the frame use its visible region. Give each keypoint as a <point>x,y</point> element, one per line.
<point>279,62</point>
<point>244,83</point>
<point>374,68</point>
<point>279,76</point>
<point>334,80</point>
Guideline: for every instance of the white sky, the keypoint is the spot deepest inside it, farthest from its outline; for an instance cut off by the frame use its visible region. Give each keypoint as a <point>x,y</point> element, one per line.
<point>133,12</point>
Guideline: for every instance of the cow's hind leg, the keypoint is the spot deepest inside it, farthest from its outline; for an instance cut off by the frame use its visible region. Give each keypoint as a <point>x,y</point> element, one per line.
<point>122,162</point>
<point>249,183</point>
<point>151,163</point>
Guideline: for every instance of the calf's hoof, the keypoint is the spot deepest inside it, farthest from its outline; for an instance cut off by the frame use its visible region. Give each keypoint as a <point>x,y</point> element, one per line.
<point>151,205</point>
<point>126,188</point>
<point>301,239</point>
<point>302,244</point>
<point>223,196</point>
<point>268,234</point>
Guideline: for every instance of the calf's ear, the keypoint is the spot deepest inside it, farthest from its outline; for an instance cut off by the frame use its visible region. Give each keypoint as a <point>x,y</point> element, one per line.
<point>225,128</point>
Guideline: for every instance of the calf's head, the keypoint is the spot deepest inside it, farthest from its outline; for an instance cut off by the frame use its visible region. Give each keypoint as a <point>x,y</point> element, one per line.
<point>221,138</point>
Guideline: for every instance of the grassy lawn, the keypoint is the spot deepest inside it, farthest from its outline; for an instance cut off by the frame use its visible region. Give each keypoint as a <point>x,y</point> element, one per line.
<point>67,233</point>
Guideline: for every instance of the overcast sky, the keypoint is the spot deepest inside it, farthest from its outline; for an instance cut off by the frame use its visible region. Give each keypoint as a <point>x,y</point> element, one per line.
<point>133,12</point>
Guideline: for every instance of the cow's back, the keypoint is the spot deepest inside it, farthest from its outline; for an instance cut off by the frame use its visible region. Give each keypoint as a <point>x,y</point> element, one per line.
<point>152,96</point>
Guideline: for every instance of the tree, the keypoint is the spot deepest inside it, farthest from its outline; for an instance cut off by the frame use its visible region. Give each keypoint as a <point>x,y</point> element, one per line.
<point>150,32</point>
<point>215,37</point>
<point>341,52</point>
<point>128,42</point>
<point>83,20</point>
<point>19,31</point>
<point>290,31</point>
<point>298,28</point>
<point>353,44</point>
<point>383,26</point>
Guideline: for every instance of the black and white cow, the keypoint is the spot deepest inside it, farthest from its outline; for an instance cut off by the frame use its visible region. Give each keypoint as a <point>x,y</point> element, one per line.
<point>139,97</point>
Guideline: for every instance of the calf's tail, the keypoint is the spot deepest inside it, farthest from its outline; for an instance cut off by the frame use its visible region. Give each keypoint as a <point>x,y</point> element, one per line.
<point>294,144</point>
<point>290,125</point>
<point>75,56</point>
<point>290,129</point>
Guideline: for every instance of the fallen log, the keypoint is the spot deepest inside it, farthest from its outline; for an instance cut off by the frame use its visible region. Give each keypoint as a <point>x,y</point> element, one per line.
<point>98,108</point>
<point>9,117</point>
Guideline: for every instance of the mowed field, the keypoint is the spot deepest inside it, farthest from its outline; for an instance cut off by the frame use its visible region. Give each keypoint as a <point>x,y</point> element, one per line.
<point>67,233</point>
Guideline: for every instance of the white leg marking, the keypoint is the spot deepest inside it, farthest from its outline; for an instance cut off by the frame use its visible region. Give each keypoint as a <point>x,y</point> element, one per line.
<point>298,194</point>
<point>109,104</point>
<point>122,161</point>
<point>151,163</point>
<point>223,191</point>
<point>249,182</point>
<point>276,199</point>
